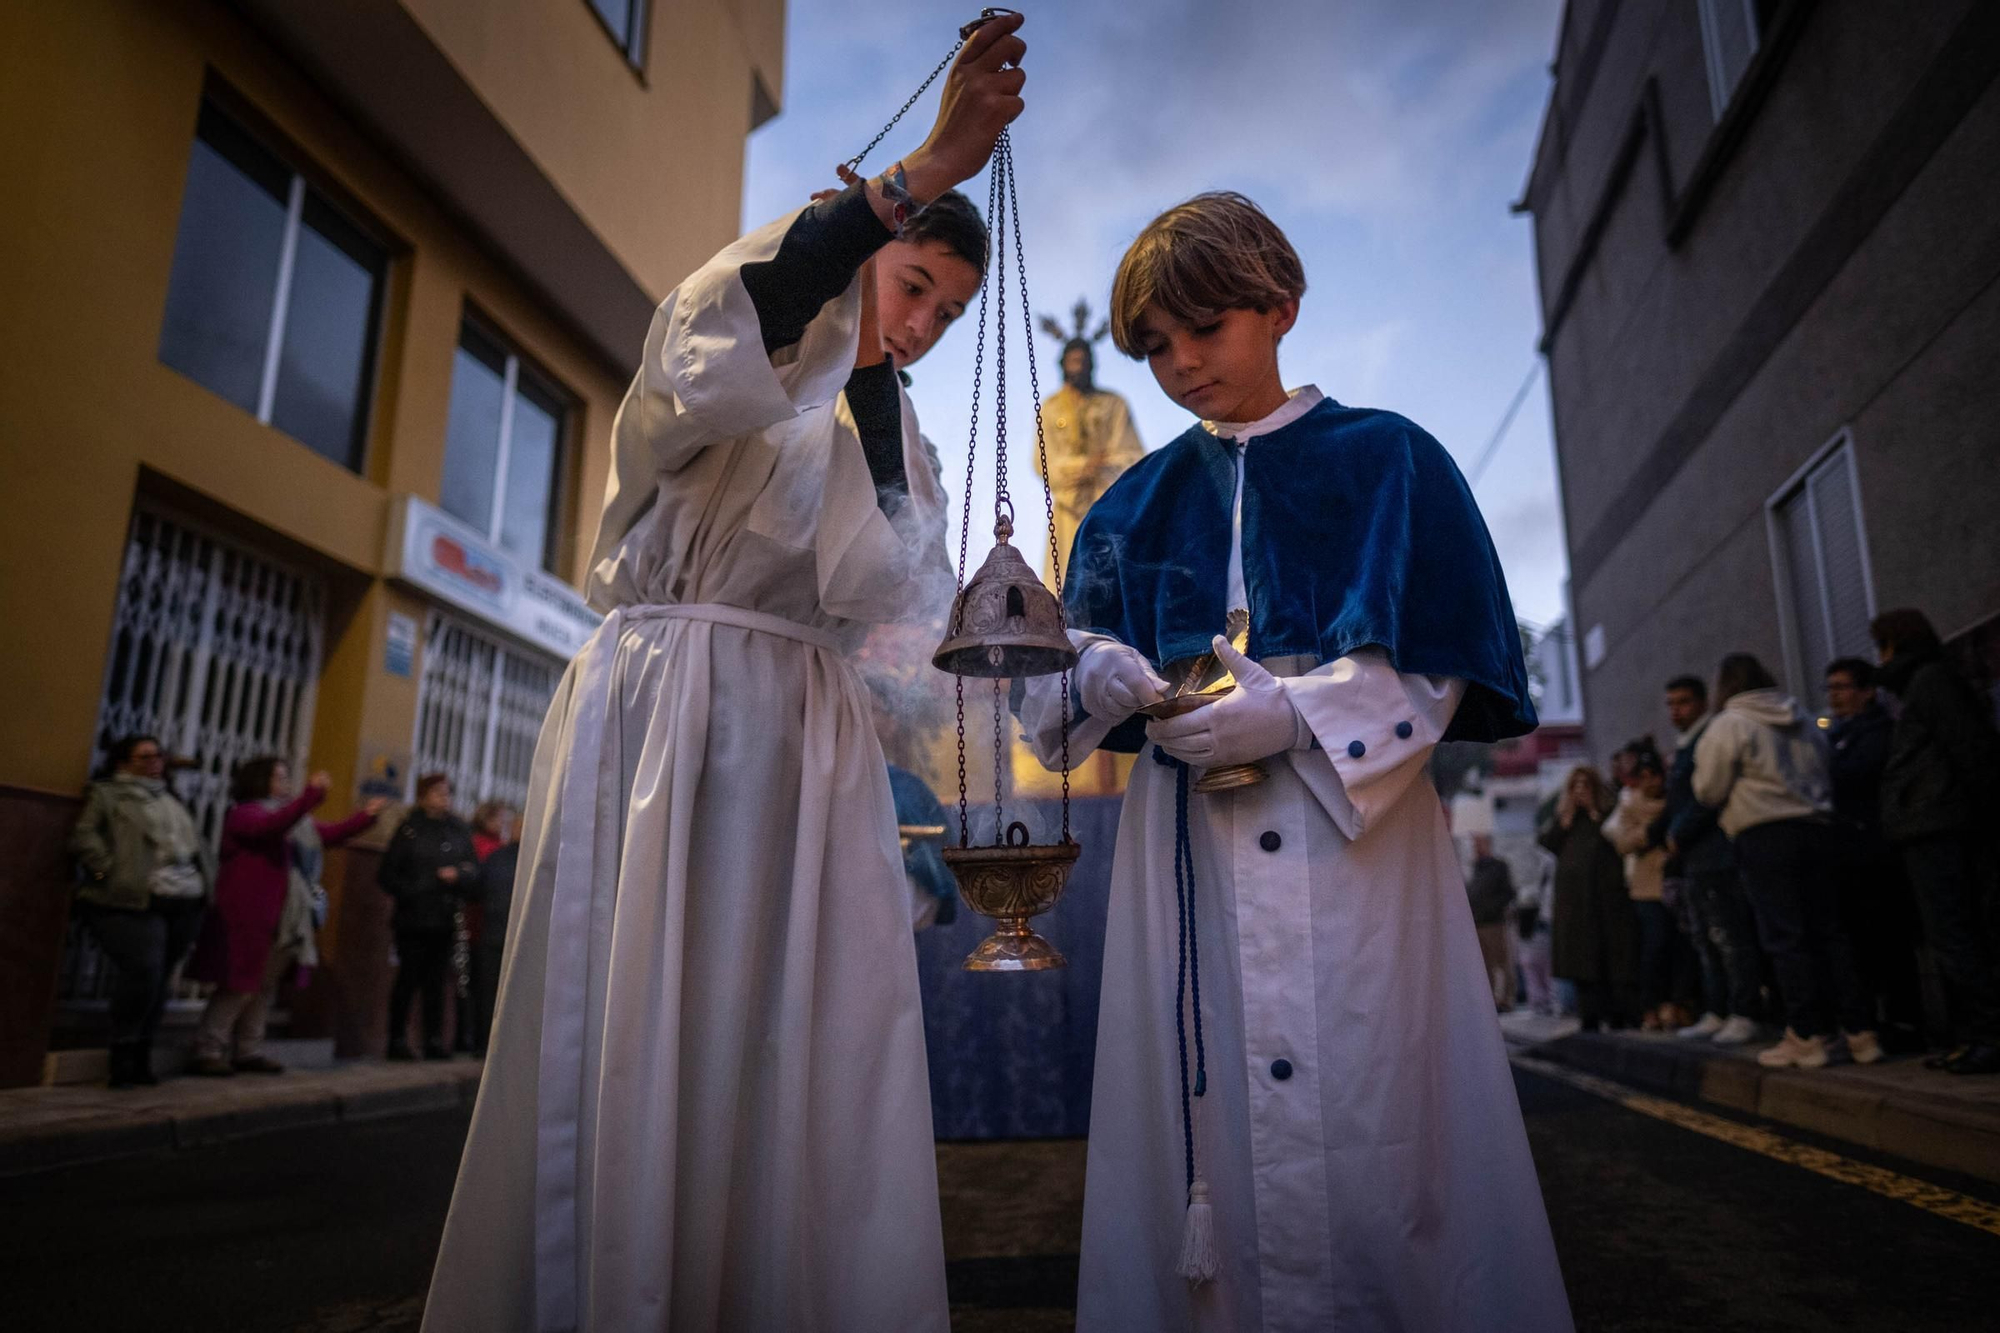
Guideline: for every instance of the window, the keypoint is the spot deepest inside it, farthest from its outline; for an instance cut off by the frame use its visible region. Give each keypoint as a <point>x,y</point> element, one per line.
<point>1731,32</point>
<point>479,712</point>
<point>625,20</point>
<point>275,297</point>
<point>503,448</point>
<point>1819,553</point>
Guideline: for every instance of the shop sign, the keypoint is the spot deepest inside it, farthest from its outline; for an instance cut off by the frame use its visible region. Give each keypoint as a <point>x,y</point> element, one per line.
<point>432,551</point>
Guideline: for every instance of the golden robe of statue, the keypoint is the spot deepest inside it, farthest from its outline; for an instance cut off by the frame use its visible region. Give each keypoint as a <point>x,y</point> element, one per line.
<point>1090,442</point>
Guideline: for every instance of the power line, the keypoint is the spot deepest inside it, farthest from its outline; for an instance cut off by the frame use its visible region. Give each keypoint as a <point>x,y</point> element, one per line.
<point>1478,469</point>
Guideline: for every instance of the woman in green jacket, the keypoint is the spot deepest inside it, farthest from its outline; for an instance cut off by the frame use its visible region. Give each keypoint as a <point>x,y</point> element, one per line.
<point>147,874</point>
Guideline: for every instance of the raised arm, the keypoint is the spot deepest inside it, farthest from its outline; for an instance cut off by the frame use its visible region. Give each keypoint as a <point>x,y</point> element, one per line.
<point>333,833</point>
<point>250,821</point>
<point>769,327</point>
<point>821,252</point>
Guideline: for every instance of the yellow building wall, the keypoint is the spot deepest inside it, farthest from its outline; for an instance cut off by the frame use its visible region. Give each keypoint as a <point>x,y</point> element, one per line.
<point>98,107</point>
<point>653,156</point>
<point>100,100</point>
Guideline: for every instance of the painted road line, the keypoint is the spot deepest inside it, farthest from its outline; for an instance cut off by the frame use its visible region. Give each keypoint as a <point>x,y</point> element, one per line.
<point>1880,1180</point>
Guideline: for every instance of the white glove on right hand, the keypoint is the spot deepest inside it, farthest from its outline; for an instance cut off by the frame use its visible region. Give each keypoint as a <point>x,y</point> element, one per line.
<point>1113,681</point>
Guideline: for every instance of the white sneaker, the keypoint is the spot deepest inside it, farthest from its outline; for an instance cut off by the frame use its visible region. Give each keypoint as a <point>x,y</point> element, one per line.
<point>1735,1032</point>
<point>1706,1027</point>
<point>1794,1052</point>
<point>1864,1048</point>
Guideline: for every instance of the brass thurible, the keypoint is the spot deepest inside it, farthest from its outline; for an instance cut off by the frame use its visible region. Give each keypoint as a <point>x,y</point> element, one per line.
<point>1010,884</point>
<point>1004,623</point>
<point>1197,682</point>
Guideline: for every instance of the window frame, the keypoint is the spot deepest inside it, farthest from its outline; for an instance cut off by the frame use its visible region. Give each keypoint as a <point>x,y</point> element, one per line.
<point>633,47</point>
<point>517,367</point>
<point>304,188</point>
<point>1840,449</point>
<point>1720,97</point>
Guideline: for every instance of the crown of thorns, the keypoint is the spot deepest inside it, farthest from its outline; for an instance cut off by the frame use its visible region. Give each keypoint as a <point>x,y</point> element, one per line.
<point>1080,315</point>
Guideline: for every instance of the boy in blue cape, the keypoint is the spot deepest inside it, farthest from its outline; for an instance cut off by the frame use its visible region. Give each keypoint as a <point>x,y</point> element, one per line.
<point>1302,1115</point>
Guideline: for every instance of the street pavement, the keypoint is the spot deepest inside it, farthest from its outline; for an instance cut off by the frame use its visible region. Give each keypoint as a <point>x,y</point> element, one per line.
<point>1667,1217</point>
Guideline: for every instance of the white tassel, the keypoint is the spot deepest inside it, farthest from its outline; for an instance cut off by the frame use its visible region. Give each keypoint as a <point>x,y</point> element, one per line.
<point>1198,1237</point>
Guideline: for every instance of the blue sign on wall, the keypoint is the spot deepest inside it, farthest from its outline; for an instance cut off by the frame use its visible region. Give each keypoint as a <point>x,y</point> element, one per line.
<point>399,653</point>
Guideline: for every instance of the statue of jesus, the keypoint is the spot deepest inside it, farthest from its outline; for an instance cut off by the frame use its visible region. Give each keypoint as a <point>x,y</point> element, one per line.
<point>1088,431</point>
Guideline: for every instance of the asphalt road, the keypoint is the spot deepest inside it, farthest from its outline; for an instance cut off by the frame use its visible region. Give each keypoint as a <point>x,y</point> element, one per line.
<point>331,1229</point>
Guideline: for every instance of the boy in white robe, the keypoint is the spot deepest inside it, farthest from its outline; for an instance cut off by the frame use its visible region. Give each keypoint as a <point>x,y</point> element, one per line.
<point>708,1046</point>
<point>1302,1116</point>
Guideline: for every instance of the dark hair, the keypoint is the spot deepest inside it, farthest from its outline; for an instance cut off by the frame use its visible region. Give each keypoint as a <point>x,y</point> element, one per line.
<point>1859,670</point>
<point>1739,674</point>
<point>121,749</point>
<point>429,780</point>
<point>1645,756</point>
<point>1905,631</point>
<point>1694,685</point>
<point>252,779</point>
<point>952,221</point>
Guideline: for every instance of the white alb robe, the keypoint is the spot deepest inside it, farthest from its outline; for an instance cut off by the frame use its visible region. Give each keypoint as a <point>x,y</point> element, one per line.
<point>1384,1181</point>
<point>709,1044</point>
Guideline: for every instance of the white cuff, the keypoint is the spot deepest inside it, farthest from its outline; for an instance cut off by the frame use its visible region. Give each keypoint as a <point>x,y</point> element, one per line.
<point>1376,727</point>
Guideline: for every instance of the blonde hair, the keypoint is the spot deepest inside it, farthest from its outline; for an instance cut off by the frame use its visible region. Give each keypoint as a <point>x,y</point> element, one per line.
<point>1216,252</point>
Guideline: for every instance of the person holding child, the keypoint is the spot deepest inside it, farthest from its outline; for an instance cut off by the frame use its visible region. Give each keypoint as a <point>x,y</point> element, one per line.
<point>1302,1115</point>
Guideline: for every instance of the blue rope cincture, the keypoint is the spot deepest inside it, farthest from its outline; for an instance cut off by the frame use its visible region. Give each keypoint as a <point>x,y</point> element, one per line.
<point>1187,971</point>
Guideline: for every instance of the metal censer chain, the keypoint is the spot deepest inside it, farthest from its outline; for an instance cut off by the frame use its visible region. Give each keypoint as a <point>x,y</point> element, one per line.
<point>1004,623</point>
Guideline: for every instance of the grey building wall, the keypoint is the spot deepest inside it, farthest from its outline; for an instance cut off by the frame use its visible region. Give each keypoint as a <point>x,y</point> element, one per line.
<point>1725,298</point>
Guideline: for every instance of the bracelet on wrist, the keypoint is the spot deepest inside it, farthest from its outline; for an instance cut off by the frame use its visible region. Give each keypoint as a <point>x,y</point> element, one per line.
<point>903,205</point>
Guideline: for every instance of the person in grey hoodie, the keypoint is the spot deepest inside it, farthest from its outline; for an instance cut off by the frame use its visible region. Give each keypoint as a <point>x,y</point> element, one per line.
<point>1763,764</point>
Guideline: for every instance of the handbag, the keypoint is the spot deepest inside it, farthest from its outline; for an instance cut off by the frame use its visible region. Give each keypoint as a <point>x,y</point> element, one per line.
<point>1528,919</point>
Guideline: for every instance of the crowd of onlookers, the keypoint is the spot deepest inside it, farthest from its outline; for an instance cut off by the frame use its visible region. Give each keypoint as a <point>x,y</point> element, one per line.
<point>243,918</point>
<point>1779,873</point>
<point>1776,872</point>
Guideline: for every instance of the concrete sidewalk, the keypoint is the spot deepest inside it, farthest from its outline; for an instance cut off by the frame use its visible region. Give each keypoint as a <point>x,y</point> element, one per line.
<point>1896,1106</point>
<point>52,1126</point>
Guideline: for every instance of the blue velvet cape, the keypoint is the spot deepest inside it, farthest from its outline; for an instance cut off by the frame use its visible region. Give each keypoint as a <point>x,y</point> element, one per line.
<point>1358,530</point>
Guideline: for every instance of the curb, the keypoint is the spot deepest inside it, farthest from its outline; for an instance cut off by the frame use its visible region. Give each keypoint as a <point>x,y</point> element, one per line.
<point>180,1121</point>
<point>1920,1126</point>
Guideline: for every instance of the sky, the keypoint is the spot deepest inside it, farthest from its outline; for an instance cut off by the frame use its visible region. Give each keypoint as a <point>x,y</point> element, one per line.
<point>1387,137</point>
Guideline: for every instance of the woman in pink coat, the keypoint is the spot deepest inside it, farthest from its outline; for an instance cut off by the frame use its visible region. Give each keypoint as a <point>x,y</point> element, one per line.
<point>266,907</point>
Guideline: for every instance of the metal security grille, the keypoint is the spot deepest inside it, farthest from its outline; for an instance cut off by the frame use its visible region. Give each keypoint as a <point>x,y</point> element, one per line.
<point>479,712</point>
<point>1825,594</point>
<point>214,649</point>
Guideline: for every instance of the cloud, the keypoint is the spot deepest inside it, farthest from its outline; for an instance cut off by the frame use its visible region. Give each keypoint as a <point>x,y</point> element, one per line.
<point>1388,139</point>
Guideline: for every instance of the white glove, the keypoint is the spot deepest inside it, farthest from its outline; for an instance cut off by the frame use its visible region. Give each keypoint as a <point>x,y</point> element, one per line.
<point>1113,680</point>
<point>1254,721</point>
